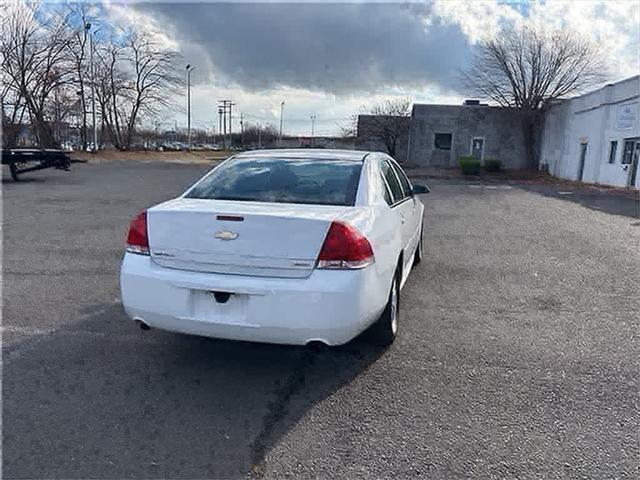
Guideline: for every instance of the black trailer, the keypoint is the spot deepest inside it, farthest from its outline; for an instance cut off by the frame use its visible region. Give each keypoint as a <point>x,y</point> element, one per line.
<point>23,160</point>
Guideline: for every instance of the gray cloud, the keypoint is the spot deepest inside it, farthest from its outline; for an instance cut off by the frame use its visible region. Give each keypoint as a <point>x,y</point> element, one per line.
<point>334,48</point>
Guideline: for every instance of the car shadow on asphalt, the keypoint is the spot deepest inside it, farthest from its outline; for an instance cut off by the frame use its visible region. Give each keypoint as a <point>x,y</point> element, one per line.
<point>45,176</point>
<point>7,180</point>
<point>616,203</point>
<point>100,398</point>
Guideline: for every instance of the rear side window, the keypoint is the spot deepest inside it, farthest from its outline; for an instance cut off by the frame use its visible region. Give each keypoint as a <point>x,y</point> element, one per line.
<point>392,180</point>
<point>385,191</point>
<point>281,180</point>
<point>404,181</point>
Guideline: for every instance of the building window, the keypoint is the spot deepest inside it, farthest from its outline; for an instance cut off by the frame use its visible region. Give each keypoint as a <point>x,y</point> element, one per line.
<point>442,141</point>
<point>613,148</point>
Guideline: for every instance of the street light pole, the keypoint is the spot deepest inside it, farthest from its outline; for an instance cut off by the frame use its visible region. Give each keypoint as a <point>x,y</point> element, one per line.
<point>242,130</point>
<point>313,121</point>
<point>190,68</point>
<point>281,115</point>
<point>87,27</point>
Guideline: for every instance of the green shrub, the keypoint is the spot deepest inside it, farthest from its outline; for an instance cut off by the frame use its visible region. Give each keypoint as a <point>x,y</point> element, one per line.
<point>469,165</point>
<point>492,165</point>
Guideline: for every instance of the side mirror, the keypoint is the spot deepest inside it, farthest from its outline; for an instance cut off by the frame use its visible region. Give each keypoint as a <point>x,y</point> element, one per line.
<point>420,189</point>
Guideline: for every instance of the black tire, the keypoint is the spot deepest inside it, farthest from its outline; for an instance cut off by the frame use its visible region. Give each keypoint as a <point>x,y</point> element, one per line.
<point>417,256</point>
<point>385,330</point>
<point>13,168</point>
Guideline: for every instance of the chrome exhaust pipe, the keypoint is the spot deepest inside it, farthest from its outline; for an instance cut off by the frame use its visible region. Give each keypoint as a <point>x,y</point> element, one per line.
<point>317,346</point>
<point>142,324</point>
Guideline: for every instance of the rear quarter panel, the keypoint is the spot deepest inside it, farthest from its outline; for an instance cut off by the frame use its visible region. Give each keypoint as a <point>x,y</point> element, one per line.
<point>381,226</point>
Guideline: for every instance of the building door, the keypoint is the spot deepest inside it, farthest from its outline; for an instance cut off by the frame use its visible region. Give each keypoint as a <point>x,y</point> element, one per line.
<point>477,148</point>
<point>631,157</point>
<point>583,157</point>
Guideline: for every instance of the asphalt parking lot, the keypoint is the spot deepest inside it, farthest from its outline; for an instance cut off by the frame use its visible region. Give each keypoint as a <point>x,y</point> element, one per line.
<point>518,355</point>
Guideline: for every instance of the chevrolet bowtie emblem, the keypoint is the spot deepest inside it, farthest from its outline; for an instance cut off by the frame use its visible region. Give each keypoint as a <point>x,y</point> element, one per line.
<point>226,235</point>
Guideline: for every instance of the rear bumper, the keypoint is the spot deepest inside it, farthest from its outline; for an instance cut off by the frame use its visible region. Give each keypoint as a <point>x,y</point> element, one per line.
<point>328,306</point>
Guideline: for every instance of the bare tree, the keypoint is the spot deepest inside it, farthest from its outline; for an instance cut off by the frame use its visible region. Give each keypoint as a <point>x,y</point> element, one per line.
<point>59,109</point>
<point>135,79</point>
<point>44,74</point>
<point>385,122</point>
<point>111,89</point>
<point>263,134</point>
<point>350,127</point>
<point>12,110</point>
<point>529,67</point>
<point>34,59</point>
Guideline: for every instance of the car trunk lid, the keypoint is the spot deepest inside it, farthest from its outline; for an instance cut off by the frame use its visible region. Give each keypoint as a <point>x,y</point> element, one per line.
<point>244,238</point>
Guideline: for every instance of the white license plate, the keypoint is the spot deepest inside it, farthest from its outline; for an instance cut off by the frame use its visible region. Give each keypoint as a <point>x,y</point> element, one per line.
<point>207,309</point>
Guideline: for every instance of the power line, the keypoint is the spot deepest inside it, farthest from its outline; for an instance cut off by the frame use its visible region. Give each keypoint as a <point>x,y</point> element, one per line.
<point>305,120</point>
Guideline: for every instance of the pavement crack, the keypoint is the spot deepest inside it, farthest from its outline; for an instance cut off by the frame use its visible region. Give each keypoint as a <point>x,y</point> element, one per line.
<point>277,410</point>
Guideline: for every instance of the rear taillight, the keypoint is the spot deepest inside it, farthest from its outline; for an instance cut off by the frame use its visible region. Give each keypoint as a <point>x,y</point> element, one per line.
<point>345,248</point>
<point>137,239</point>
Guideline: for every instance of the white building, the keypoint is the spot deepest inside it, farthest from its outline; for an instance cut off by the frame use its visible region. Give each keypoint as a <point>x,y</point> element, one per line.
<point>595,137</point>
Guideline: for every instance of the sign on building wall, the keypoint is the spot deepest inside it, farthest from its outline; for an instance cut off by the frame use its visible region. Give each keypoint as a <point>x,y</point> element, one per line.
<point>626,116</point>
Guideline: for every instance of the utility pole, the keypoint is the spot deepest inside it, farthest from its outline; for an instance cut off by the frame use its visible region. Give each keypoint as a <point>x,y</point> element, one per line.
<point>224,125</point>
<point>231,104</point>
<point>224,109</point>
<point>281,115</point>
<point>221,138</point>
<point>190,68</point>
<point>87,27</point>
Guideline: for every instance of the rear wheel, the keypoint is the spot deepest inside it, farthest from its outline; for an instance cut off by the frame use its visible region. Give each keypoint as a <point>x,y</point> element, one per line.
<point>13,168</point>
<point>385,329</point>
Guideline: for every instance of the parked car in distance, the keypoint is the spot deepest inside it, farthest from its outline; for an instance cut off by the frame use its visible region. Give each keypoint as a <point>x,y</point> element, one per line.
<point>281,246</point>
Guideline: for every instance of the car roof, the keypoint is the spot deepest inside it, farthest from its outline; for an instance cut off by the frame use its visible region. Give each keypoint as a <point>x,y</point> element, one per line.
<point>307,153</point>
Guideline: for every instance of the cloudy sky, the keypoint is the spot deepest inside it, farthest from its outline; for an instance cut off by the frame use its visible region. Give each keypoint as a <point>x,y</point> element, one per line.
<point>330,59</point>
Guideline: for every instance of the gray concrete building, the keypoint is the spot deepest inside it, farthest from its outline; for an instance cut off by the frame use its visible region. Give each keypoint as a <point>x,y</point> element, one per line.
<point>594,137</point>
<point>440,134</point>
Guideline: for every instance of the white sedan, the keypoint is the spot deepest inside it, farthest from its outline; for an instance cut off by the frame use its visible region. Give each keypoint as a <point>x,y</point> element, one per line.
<point>279,246</point>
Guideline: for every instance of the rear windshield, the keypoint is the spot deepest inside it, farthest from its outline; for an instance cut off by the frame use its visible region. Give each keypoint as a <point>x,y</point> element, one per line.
<point>321,182</point>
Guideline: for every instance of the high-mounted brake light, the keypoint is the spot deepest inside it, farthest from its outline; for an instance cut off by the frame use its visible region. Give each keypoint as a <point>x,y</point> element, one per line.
<point>137,239</point>
<point>345,248</point>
